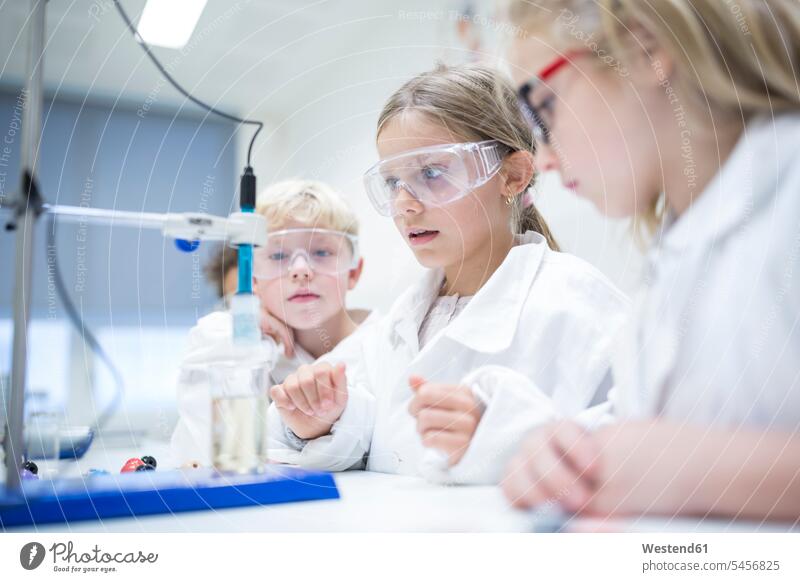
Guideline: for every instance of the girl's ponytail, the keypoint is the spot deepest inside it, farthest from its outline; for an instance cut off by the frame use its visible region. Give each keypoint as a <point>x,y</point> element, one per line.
<point>526,216</point>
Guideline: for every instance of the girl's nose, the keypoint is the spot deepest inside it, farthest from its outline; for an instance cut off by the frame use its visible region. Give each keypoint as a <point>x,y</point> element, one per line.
<point>406,203</point>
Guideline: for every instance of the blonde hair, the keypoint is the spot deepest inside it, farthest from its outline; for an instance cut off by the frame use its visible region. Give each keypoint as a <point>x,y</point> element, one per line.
<point>477,103</point>
<point>733,58</point>
<point>306,201</point>
<point>741,57</point>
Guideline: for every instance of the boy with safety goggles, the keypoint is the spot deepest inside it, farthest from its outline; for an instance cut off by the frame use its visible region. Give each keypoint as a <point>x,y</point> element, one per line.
<point>301,276</point>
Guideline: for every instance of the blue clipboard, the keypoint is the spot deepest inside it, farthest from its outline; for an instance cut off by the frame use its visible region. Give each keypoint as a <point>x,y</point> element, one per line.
<point>153,492</point>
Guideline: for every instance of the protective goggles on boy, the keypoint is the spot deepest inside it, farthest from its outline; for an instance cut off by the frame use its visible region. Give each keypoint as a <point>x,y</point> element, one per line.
<point>434,176</point>
<point>328,252</point>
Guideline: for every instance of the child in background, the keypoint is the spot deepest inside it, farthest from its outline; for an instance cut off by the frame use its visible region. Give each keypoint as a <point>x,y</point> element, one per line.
<point>455,172</point>
<point>222,271</point>
<point>301,277</point>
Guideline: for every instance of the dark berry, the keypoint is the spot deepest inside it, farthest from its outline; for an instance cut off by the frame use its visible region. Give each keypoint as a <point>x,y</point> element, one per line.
<point>148,460</point>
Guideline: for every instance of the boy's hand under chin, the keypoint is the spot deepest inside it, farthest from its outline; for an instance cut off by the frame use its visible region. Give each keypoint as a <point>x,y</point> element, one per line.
<point>312,399</point>
<point>447,416</point>
<point>277,330</point>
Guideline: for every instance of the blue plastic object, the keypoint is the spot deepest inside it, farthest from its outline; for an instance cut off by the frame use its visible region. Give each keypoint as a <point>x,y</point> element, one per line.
<point>187,246</point>
<point>74,442</point>
<point>153,492</point>
<point>96,472</point>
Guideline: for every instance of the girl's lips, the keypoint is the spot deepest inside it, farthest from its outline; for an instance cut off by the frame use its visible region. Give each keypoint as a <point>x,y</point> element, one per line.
<point>303,297</point>
<point>571,185</point>
<point>421,237</point>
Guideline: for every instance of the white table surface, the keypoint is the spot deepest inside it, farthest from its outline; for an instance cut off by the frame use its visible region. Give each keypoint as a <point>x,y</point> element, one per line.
<point>370,502</point>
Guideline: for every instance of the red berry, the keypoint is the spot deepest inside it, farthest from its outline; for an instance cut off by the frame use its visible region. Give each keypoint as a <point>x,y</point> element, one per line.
<point>131,465</point>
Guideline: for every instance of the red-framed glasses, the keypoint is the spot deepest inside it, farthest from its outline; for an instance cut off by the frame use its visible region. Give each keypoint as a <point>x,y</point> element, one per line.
<point>533,113</point>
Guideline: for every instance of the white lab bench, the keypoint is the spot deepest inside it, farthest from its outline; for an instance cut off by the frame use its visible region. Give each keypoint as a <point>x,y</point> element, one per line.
<point>370,502</point>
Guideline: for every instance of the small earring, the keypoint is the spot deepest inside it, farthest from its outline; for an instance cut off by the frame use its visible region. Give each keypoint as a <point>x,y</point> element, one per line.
<point>509,200</point>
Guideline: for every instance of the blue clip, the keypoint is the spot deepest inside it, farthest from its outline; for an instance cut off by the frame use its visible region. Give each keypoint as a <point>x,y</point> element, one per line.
<point>187,246</point>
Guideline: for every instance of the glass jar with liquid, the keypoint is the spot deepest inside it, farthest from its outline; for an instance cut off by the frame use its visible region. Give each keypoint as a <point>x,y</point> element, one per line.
<point>239,404</point>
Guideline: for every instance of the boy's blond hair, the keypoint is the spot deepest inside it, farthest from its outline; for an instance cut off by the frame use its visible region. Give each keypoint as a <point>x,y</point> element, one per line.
<point>309,202</point>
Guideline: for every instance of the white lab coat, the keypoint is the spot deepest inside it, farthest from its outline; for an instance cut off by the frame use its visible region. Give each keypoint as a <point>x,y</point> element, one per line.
<point>545,316</point>
<point>716,338</point>
<point>210,341</point>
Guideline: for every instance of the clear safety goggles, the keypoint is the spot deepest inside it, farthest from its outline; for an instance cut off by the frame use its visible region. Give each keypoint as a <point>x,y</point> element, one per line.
<point>434,176</point>
<point>328,252</point>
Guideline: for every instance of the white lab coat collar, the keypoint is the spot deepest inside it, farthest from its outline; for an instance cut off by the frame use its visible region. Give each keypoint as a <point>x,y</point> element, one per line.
<point>489,321</point>
<point>740,187</point>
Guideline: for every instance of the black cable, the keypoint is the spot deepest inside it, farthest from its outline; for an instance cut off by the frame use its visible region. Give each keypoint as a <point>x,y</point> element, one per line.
<point>84,332</point>
<point>183,91</point>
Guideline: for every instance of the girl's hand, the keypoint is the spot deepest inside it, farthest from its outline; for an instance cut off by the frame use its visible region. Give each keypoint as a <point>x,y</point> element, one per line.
<point>655,466</point>
<point>312,399</point>
<point>447,416</point>
<point>625,468</point>
<point>559,462</point>
<point>278,330</point>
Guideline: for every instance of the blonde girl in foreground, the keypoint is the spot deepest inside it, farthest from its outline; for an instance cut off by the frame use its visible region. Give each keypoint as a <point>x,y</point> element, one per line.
<point>685,115</point>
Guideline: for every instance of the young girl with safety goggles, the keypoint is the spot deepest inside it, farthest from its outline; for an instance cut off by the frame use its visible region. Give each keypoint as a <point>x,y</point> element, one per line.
<point>455,172</point>
<point>302,276</point>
